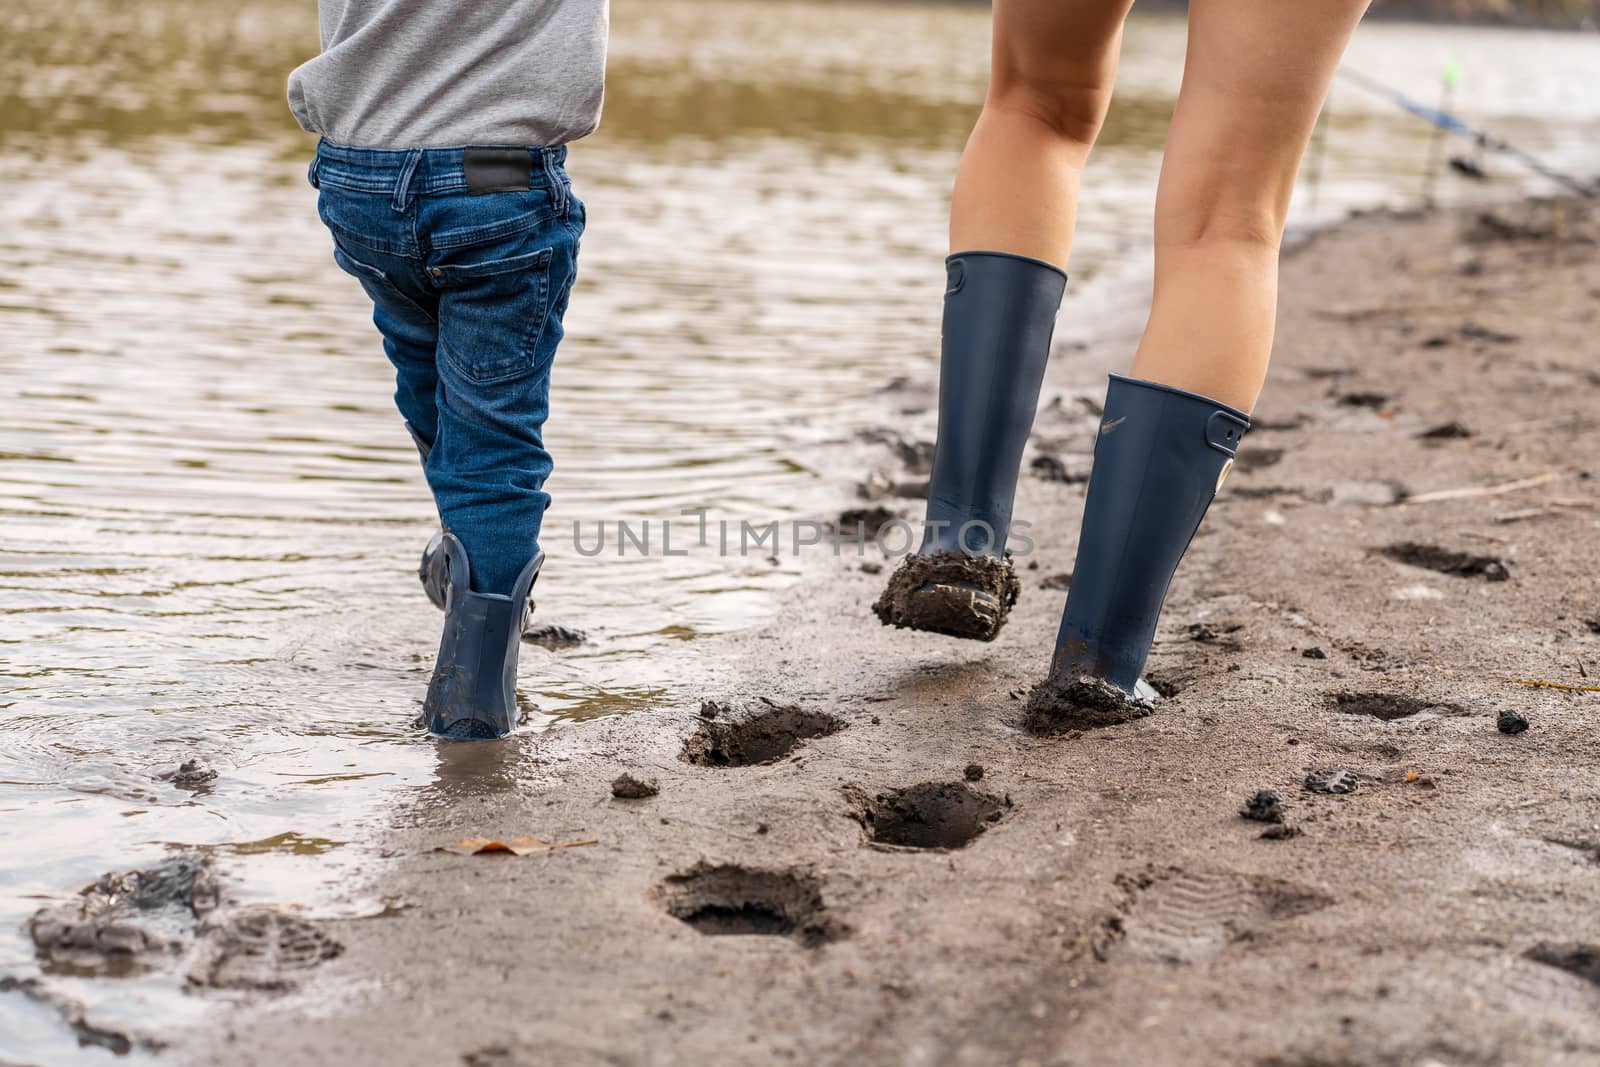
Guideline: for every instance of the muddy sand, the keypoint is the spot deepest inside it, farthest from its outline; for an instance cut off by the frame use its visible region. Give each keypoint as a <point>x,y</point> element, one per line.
<point>857,853</point>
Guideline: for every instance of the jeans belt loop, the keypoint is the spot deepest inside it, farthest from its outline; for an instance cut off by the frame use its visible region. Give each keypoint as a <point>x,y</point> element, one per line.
<point>552,171</point>
<point>402,184</point>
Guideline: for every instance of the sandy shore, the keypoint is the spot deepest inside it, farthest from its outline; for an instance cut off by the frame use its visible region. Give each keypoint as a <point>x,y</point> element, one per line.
<point>1101,899</point>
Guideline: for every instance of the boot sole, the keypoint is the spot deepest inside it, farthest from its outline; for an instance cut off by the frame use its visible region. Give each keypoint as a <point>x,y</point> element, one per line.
<point>950,594</point>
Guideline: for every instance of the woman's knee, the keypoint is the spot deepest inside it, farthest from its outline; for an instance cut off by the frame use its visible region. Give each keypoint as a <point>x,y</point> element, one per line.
<point>1201,221</point>
<point>1069,110</point>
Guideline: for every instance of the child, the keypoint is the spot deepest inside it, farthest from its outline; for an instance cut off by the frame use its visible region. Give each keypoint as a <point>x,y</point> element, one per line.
<point>441,178</point>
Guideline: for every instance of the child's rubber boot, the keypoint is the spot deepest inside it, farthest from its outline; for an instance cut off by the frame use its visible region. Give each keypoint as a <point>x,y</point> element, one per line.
<point>999,314</point>
<point>473,693</point>
<point>1160,458</point>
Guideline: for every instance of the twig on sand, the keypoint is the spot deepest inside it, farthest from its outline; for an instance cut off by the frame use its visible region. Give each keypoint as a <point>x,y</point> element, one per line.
<point>1527,513</point>
<point>1552,685</point>
<point>1469,492</point>
<point>1549,507</point>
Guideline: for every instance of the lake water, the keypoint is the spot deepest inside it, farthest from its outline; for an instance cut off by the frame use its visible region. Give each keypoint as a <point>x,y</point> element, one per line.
<point>209,511</point>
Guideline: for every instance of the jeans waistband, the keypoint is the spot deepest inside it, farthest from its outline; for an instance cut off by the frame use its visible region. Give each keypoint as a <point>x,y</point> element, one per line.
<point>408,172</point>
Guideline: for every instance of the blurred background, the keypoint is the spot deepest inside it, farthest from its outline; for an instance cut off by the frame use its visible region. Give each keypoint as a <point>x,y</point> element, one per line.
<point>209,510</point>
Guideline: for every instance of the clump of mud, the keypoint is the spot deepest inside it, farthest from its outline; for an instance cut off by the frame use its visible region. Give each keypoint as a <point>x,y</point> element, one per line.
<point>763,733</point>
<point>1263,806</point>
<point>629,787</point>
<point>1058,705</point>
<point>950,593</point>
<point>261,948</point>
<point>193,771</point>
<point>552,635</point>
<point>930,815</point>
<point>730,900</point>
<point>128,914</point>
<point>1511,721</point>
<point>1446,561</point>
<point>1332,781</point>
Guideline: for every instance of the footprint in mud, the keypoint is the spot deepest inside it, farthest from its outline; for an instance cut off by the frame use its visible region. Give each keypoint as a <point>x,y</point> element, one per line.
<point>1578,960</point>
<point>1219,634</point>
<point>762,733</point>
<point>1387,706</point>
<point>729,900</point>
<point>863,524</point>
<point>1254,459</point>
<point>1445,431</point>
<point>1177,916</point>
<point>126,918</point>
<point>1446,561</point>
<point>1055,469</point>
<point>930,815</point>
<point>262,948</point>
<point>1374,401</point>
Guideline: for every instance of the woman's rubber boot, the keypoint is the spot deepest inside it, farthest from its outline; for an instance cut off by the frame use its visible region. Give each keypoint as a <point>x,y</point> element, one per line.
<point>473,693</point>
<point>999,314</point>
<point>1160,458</point>
<point>431,571</point>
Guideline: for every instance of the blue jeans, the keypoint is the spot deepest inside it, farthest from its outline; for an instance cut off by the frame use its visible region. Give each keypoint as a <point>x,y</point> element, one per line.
<point>469,264</point>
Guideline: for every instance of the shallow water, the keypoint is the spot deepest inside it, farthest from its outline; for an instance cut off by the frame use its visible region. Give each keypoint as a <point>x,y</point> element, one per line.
<point>208,508</point>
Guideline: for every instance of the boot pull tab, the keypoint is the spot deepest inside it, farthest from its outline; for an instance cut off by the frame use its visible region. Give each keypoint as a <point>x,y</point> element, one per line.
<point>1224,432</point>
<point>955,277</point>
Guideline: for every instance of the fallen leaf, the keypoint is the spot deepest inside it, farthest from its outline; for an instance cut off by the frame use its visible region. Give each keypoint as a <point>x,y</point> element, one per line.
<point>517,846</point>
<point>1551,685</point>
<point>1412,776</point>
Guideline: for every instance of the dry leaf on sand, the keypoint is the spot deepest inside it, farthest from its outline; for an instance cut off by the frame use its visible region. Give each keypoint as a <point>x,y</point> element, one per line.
<point>517,846</point>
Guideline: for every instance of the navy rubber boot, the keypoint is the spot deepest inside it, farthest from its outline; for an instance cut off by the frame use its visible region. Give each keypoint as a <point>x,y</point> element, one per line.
<point>473,693</point>
<point>1160,458</point>
<point>999,315</point>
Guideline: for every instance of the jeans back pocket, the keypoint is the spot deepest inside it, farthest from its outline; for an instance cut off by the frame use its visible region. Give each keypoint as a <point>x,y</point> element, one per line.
<point>493,313</point>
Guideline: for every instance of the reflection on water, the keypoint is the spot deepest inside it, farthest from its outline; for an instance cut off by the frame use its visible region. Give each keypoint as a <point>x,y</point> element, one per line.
<point>208,508</point>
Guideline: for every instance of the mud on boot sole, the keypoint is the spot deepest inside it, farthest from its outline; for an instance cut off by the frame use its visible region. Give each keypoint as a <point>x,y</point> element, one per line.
<point>950,593</point>
<point>1058,705</point>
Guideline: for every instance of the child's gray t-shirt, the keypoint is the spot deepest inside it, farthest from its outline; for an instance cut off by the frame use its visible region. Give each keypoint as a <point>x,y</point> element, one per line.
<point>433,73</point>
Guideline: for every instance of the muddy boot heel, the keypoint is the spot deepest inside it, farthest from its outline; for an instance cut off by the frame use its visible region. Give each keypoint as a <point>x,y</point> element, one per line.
<point>472,695</point>
<point>950,593</point>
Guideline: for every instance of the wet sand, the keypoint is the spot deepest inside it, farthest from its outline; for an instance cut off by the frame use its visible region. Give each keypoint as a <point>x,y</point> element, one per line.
<point>859,856</point>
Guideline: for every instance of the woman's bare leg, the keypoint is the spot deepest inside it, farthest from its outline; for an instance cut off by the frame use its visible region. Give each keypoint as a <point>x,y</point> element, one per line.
<point>1010,231</point>
<point>1254,80</point>
<point>1255,77</point>
<point>1049,84</point>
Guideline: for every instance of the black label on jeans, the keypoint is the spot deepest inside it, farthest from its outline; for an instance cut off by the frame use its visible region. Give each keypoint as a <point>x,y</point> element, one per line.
<point>497,170</point>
